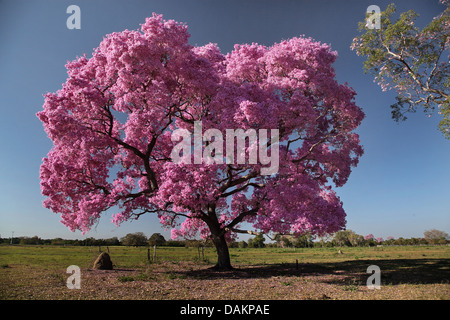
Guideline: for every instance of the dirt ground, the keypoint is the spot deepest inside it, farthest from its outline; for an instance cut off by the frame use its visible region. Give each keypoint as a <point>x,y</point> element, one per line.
<point>193,281</point>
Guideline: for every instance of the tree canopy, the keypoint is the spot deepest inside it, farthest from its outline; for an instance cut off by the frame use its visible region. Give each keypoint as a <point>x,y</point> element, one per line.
<point>111,126</point>
<point>410,60</point>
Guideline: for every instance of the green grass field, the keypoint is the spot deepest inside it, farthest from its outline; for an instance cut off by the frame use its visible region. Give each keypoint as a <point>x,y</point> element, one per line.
<point>407,272</point>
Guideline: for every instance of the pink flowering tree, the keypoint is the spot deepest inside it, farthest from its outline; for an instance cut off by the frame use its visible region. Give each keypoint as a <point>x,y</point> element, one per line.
<point>112,121</point>
<point>369,237</point>
<point>412,61</point>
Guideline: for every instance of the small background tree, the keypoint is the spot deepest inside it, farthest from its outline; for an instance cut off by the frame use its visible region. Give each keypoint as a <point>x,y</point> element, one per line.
<point>411,60</point>
<point>434,236</point>
<point>134,239</point>
<point>156,239</point>
<point>256,242</point>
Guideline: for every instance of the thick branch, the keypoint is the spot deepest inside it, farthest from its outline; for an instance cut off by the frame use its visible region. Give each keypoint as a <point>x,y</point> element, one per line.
<point>248,184</point>
<point>255,233</point>
<point>231,183</point>
<point>241,217</point>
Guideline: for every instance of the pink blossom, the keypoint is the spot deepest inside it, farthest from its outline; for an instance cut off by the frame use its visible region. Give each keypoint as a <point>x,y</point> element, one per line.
<point>111,125</point>
<point>369,237</point>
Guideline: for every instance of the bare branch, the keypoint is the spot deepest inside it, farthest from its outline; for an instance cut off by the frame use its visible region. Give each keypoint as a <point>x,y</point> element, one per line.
<point>254,233</point>
<point>240,218</point>
<point>248,184</point>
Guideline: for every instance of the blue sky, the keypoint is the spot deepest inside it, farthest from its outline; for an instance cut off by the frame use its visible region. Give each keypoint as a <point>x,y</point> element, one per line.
<point>400,188</point>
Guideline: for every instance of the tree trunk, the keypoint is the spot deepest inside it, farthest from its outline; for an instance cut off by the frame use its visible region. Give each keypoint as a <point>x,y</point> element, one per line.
<point>218,238</point>
<point>223,255</point>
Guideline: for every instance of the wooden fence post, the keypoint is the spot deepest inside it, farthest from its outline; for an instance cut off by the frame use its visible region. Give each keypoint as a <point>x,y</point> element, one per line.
<point>154,253</point>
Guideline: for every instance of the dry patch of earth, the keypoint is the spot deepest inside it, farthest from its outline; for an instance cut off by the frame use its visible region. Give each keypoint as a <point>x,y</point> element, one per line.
<point>192,281</point>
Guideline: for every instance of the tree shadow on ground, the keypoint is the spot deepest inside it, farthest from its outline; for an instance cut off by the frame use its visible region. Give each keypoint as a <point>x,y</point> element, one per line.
<point>393,271</point>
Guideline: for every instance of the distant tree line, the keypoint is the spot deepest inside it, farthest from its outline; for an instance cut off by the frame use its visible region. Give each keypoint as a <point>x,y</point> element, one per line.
<point>131,239</point>
<point>347,238</point>
<point>339,239</point>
